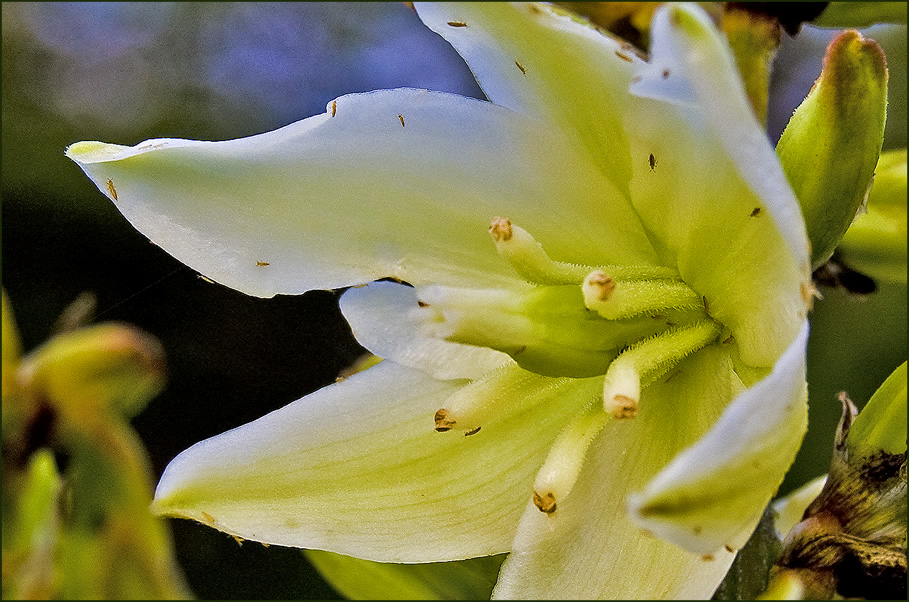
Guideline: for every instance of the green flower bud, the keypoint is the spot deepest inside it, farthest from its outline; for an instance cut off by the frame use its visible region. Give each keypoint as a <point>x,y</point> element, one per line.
<point>108,367</point>
<point>876,243</point>
<point>831,145</point>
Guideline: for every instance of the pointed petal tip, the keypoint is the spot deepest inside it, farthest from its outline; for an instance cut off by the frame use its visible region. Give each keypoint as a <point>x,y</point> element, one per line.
<point>93,151</point>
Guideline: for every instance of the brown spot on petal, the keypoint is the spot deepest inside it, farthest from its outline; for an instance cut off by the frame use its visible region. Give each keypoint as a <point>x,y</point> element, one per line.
<point>707,558</point>
<point>546,503</point>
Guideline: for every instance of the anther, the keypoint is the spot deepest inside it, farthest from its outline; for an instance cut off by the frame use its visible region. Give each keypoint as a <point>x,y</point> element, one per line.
<point>444,421</point>
<point>560,471</point>
<point>598,286</point>
<point>546,503</point>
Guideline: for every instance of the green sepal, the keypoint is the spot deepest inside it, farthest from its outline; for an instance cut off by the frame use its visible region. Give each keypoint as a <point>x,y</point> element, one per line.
<point>471,579</point>
<point>875,244</point>
<point>881,425</point>
<point>832,143</point>
<point>861,14</point>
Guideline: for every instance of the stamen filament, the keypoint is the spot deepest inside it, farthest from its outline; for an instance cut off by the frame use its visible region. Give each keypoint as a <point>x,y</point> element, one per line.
<point>646,361</point>
<point>613,298</point>
<point>479,402</point>
<point>528,258</point>
<point>534,265</point>
<point>560,471</point>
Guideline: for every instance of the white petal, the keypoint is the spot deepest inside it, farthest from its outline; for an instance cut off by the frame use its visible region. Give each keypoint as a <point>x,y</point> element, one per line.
<point>357,468</point>
<point>590,548</point>
<point>713,494</point>
<point>382,317</point>
<point>398,183</point>
<point>536,59</point>
<point>713,192</point>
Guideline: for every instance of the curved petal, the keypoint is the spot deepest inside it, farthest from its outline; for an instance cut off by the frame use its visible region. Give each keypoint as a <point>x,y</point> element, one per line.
<point>541,61</point>
<point>713,193</point>
<point>399,183</point>
<point>713,494</point>
<point>381,317</point>
<point>590,548</point>
<point>357,468</point>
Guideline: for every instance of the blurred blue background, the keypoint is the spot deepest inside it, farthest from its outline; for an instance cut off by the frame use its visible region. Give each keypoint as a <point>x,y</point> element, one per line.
<point>125,72</point>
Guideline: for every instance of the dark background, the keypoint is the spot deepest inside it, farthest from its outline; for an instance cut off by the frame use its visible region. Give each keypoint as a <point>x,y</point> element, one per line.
<point>125,72</point>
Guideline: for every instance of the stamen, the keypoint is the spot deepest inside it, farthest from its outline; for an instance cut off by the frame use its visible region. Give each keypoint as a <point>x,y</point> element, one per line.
<point>528,258</point>
<point>646,361</point>
<point>621,390</point>
<point>560,471</point>
<point>532,263</point>
<point>614,298</point>
<point>479,402</point>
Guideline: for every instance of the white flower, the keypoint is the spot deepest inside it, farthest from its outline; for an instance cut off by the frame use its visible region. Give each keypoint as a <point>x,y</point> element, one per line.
<point>651,237</point>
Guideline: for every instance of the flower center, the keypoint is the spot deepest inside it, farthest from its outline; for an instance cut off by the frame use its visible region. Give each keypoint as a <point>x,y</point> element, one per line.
<point>632,324</point>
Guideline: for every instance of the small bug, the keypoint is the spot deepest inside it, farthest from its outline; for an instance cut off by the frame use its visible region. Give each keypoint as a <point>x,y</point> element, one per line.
<point>653,161</point>
<point>665,73</point>
<point>473,431</point>
<point>457,24</point>
<point>623,56</point>
<point>521,67</point>
<point>401,117</point>
<point>756,212</point>
<point>334,107</point>
<point>111,189</point>
<point>262,263</point>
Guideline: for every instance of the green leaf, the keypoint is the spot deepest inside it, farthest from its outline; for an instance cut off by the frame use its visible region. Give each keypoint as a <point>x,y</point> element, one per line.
<point>881,425</point>
<point>861,14</point>
<point>471,579</point>
<point>832,143</point>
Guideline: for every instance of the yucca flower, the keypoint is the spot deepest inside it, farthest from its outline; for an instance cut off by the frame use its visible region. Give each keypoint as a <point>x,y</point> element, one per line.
<point>594,353</point>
